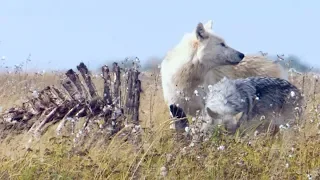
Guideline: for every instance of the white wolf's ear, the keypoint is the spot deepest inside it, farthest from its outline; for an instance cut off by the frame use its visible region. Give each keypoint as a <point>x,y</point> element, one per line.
<point>212,114</point>
<point>208,25</point>
<point>201,32</point>
<point>238,116</point>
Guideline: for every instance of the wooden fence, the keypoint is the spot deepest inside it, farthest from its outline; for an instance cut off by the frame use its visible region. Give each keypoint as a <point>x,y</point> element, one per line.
<point>78,98</point>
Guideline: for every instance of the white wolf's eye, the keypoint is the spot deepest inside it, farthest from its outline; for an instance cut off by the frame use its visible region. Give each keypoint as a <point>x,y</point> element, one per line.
<point>223,44</point>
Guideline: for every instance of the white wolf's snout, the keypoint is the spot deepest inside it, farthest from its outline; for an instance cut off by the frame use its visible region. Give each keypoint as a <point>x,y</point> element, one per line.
<point>237,58</point>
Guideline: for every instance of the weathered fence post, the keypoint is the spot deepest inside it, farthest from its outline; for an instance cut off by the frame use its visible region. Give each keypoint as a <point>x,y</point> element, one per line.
<point>107,84</point>
<point>137,90</point>
<point>129,92</point>
<point>136,87</point>
<point>116,85</point>
<point>72,90</point>
<point>87,79</point>
<point>73,76</point>
<point>133,90</point>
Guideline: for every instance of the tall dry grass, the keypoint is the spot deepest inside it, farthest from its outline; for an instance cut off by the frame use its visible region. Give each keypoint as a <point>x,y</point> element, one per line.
<point>291,154</point>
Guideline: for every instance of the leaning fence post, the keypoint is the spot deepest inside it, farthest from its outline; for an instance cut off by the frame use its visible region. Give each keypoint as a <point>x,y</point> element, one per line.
<point>87,79</point>
<point>73,76</point>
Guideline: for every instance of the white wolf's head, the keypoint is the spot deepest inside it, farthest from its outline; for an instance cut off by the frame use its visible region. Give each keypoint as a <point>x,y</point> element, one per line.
<point>212,51</point>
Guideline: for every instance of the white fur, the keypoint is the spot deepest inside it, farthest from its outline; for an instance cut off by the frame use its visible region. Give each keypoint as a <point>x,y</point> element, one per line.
<point>172,62</point>
<point>175,59</point>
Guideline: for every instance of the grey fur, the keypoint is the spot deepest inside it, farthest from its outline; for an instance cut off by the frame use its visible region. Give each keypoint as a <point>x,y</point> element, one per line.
<point>254,97</point>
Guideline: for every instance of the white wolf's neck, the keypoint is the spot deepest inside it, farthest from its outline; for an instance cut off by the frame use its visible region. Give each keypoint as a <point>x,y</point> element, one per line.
<point>181,71</point>
<point>180,68</point>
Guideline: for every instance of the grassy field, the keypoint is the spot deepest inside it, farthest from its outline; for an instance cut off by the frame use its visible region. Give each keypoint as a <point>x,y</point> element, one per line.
<point>293,153</point>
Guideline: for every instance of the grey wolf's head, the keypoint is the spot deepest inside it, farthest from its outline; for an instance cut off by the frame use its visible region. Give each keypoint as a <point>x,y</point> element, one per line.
<point>229,121</point>
<point>213,51</point>
<point>224,104</point>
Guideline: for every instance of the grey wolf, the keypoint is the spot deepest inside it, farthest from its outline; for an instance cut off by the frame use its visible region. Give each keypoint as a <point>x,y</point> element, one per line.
<point>253,98</point>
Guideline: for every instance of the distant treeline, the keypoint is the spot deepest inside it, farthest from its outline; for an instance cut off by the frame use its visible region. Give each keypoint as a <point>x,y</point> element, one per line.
<point>145,65</point>
<point>293,61</point>
<point>290,61</point>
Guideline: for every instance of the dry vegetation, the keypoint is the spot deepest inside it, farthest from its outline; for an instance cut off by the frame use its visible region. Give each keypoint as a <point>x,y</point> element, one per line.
<point>292,154</point>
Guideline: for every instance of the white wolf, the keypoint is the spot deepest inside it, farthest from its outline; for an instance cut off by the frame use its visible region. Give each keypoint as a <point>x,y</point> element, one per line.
<point>203,58</point>
<point>273,98</point>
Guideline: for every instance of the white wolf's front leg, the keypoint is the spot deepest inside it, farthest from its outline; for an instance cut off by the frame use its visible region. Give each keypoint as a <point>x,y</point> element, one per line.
<point>180,118</point>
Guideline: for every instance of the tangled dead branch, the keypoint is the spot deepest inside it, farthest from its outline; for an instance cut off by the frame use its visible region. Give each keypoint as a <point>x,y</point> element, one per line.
<point>78,98</point>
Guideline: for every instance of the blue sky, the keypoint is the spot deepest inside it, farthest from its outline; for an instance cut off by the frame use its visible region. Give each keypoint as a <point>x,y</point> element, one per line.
<point>65,32</point>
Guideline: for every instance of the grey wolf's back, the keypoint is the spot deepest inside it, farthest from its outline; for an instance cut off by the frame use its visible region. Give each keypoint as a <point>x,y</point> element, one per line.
<point>273,94</point>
